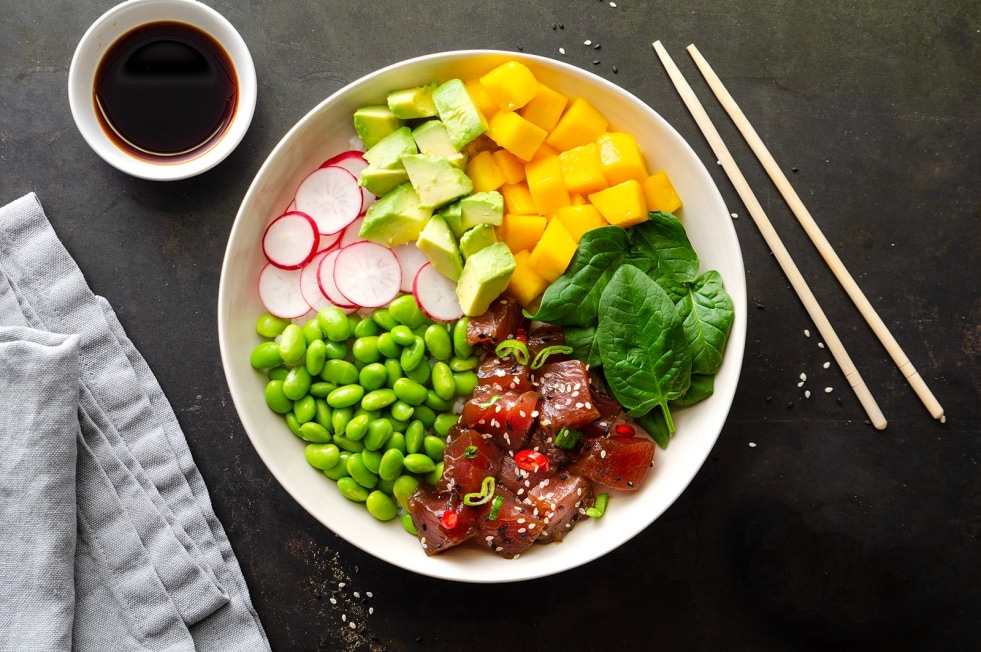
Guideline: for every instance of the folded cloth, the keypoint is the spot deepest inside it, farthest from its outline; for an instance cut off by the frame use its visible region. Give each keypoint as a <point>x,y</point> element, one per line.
<point>108,537</point>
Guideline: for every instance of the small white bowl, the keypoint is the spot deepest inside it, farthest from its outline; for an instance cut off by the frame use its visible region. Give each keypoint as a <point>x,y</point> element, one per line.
<point>116,22</point>
<point>328,130</point>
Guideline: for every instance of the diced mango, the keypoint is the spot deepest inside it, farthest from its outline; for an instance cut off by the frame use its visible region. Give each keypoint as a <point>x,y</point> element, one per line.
<point>544,152</point>
<point>576,199</point>
<point>580,124</point>
<point>581,169</point>
<point>553,252</point>
<point>521,231</point>
<point>484,173</point>
<point>578,219</point>
<point>525,284</point>
<point>511,85</point>
<point>481,98</point>
<point>621,158</point>
<point>660,193</point>
<point>517,198</point>
<point>623,204</point>
<point>545,108</point>
<point>510,166</point>
<point>545,182</point>
<point>515,134</point>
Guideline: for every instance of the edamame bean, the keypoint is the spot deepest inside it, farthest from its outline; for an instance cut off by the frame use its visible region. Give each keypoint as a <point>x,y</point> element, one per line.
<point>373,376</point>
<point>410,391</point>
<point>339,419</point>
<point>436,403</point>
<point>316,356</point>
<point>336,350</point>
<point>296,385</point>
<point>340,372</point>
<point>292,344</point>
<point>366,327</point>
<point>324,415</point>
<point>464,382</point>
<point>425,414</point>
<point>321,388</point>
<point>403,487</point>
<point>345,396</point>
<point>444,422</point>
<point>461,348</point>
<point>401,411</point>
<point>378,399</point>
<point>433,447</point>
<point>464,364</point>
<point>276,399</point>
<point>365,349</point>
<point>442,381</point>
<point>433,477</point>
<point>278,373</point>
<point>349,445</point>
<point>407,523</point>
<point>294,425</point>
<point>406,311</point>
<point>396,442</point>
<point>415,434</point>
<point>305,409</point>
<point>381,506</point>
<point>379,432</point>
<point>420,374</point>
<point>417,463</point>
<point>265,356</point>
<point>358,471</point>
<point>385,486</point>
<point>314,432</point>
<point>414,354</point>
<point>393,369</point>
<point>322,456</point>
<point>311,331</point>
<point>384,319</point>
<point>388,347</point>
<point>352,490</point>
<point>390,465</point>
<point>357,427</point>
<point>334,324</point>
<point>269,325</point>
<point>402,335</point>
<point>371,459</point>
<point>438,342</point>
<point>339,470</point>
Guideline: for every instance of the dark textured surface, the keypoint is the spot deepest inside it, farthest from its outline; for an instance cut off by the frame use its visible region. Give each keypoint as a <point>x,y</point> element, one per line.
<point>826,533</point>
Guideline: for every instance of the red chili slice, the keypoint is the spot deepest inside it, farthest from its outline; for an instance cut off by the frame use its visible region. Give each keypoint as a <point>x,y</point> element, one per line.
<point>625,430</point>
<point>530,460</point>
<point>448,519</point>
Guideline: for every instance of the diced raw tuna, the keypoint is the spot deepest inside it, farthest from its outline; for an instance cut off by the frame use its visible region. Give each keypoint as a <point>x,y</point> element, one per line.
<point>518,480</point>
<point>438,530</point>
<point>616,462</point>
<point>561,500</point>
<point>507,416</point>
<point>469,457</point>
<point>500,322</point>
<point>543,336</point>
<point>513,529</point>
<point>566,397</point>
<point>504,374</point>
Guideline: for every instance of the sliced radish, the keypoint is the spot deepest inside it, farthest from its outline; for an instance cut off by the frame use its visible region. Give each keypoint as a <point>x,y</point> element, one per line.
<point>352,233</point>
<point>331,196</point>
<point>280,293</point>
<point>436,294</point>
<point>291,240</point>
<point>325,278</point>
<point>411,258</point>
<point>328,242</point>
<point>368,274</point>
<point>354,162</point>
<point>310,283</point>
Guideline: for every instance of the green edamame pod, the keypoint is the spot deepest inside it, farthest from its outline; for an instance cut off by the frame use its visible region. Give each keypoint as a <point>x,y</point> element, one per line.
<point>414,354</point>
<point>403,487</point>
<point>384,319</point>
<point>297,383</point>
<point>417,463</point>
<point>292,344</point>
<point>311,331</point>
<point>388,347</point>
<point>265,356</point>
<point>270,326</point>
<point>340,372</point>
<point>381,506</point>
<point>316,356</point>
<point>442,381</point>
<point>352,490</point>
<point>334,324</point>
<point>461,348</point>
<point>390,465</point>
<point>438,342</point>
<point>410,391</point>
<point>305,409</point>
<point>360,472</point>
<point>339,470</point>
<point>322,456</point>
<point>345,396</point>
<point>276,399</point>
<point>315,433</point>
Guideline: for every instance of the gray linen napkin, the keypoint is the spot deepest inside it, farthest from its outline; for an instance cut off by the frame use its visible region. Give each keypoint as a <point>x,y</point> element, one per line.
<point>108,537</point>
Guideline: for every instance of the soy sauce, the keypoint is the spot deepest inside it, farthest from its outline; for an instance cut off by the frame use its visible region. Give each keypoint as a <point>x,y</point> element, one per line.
<point>166,92</point>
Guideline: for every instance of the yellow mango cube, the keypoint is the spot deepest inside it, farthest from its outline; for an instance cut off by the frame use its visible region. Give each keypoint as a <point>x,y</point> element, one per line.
<point>660,193</point>
<point>577,219</point>
<point>521,231</point>
<point>525,284</point>
<point>544,151</point>
<point>548,191</point>
<point>580,124</point>
<point>481,98</point>
<point>545,108</point>
<point>484,173</point>
<point>553,252</point>
<point>581,169</point>
<point>623,204</point>
<point>576,199</point>
<point>621,158</point>
<point>511,85</point>
<point>515,134</point>
<point>517,198</point>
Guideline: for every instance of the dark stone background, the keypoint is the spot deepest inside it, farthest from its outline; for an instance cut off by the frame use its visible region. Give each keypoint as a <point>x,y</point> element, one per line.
<point>827,534</point>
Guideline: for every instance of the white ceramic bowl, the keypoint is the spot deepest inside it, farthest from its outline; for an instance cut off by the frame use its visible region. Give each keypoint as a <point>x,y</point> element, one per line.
<point>327,130</point>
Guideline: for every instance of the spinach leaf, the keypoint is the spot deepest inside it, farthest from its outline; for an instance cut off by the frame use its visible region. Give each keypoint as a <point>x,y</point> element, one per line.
<point>642,344</point>
<point>708,314</point>
<point>654,423</point>
<point>572,300</point>
<point>660,247</point>
<point>582,339</point>
<point>702,386</point>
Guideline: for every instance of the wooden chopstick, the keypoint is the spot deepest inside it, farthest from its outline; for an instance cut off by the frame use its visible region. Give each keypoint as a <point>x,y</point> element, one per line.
<point>817,237</point>
<point>780,252</point>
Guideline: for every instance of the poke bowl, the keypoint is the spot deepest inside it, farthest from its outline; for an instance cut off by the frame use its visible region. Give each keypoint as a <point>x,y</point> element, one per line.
<point>320,137</point>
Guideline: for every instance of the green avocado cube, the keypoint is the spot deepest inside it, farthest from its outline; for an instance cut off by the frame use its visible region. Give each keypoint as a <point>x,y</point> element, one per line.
<point>387,153</point>
<point>432,138</point>
<point>456,109</point>
<point>482,208</point>
<point>436,180</point>
<point>372,123</point>
<point>410,103</point>
<point>395,218</point>
<point>485,276</point>
<point>476,239</point>
<point>439,245</point>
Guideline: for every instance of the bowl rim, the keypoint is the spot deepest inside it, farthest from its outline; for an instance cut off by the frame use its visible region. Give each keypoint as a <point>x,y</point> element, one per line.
<point>733,356</point>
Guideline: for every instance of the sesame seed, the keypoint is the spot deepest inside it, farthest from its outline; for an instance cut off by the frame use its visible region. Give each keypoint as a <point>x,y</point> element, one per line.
<point>561,50</point>
<point>752,444</point>
<point>820,345</point>
<point>369,594</point>
<point>828,390</point>
<point>356,594</point>
<point>333,600</point>
<point>803,376</point>
<point>352,625</point>
<point>371,610</point>
<point>807,333</point>
<point>807,393</point>
<point>587,42</point>
<point>343,618</point>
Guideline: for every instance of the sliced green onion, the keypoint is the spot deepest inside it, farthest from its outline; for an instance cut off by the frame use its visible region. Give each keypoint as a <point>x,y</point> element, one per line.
<point>599,508</point>
<point>495,508</point>
<point>486,493</point>
<point>470,452</point>
<point>547,351</point>
<point>567,439</point>
<point>517,348</point>
<point>493,399</point>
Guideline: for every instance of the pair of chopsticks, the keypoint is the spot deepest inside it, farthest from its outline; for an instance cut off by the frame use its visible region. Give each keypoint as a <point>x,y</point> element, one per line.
<point>811,228</point>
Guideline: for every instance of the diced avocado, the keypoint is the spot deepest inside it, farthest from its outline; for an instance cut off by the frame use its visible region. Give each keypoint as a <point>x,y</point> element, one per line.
<point>395,218</point>
<point>463,120</point>
<point>482,208</point>
<point>436,180</point>
<point>378,181</point>
<point>476,239</point>
<point>485,276</point>
<point>372,123</point>
<point>454,218</point>
<point>412,103</point>
<point>432,138</point>
<point>439,245</point>
<point>387,153</point>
